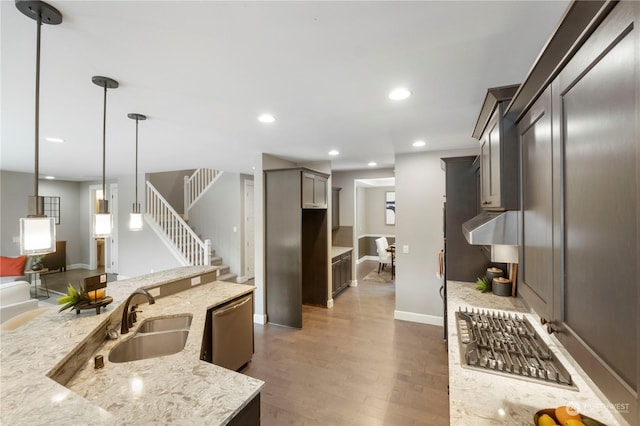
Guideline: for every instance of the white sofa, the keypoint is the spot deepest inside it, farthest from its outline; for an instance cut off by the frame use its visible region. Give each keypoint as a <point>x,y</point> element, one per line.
<point>15,298</point>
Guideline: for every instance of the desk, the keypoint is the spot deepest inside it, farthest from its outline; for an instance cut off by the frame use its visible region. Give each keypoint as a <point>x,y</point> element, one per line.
<point>35,274</point>
<point>392,249</point>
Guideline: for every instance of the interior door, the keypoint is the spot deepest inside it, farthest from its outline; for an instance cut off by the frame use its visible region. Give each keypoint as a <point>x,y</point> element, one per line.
<point>249,238</point>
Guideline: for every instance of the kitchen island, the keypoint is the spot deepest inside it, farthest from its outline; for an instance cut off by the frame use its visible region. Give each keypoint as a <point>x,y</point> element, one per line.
<point>484,398</point>
<point>176,389</point>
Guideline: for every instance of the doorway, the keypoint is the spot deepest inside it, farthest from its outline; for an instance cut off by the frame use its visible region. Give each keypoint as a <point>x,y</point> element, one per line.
<point>103,251</point>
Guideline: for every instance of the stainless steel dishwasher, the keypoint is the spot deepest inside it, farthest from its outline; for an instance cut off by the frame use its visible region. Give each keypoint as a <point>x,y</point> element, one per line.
<point>232,333</point>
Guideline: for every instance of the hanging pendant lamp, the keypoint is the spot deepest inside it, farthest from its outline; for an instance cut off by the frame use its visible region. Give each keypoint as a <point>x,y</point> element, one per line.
<point>102,220</point>
<point>135,217</point>
<point>37,231</point>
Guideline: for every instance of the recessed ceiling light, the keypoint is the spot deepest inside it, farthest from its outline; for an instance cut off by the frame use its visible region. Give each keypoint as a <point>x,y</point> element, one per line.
<point>399,94</point>
<point>50,177</point>
<point>334,152</point>
<point>266,118</point>
<point>56,140</point>
<point>418,144</point>
<point>372,164</point>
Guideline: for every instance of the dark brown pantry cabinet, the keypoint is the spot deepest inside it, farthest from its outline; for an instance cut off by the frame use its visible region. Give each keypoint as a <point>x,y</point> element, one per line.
<point>578,118</point>
<point>296,247</point>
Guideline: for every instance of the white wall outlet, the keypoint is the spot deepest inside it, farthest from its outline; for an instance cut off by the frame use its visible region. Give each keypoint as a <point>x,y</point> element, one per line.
<point>16,239</point>
<point>195,281</point>
<point>405,249</point>
<point>235,229</point>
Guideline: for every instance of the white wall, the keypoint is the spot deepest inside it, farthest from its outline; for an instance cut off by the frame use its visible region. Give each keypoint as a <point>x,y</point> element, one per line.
<point>420,187</point>
<point>139,252</point>
<point>374,211</point>
<point>345,180</point>
<point>171,186</point>
<point>217,214</point>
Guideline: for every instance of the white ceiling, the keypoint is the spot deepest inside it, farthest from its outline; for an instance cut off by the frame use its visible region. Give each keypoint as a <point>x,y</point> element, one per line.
<point>203,71</point>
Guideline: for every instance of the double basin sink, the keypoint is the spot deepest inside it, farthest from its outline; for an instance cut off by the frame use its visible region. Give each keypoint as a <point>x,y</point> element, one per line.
<point>154,337</point>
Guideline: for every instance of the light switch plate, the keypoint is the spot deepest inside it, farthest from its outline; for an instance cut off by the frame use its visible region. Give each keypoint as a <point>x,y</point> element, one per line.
<point>405,249</point>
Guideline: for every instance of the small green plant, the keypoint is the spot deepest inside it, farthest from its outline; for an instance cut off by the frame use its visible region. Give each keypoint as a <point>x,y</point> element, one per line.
<point>73,298</point>
<point>483,284</point>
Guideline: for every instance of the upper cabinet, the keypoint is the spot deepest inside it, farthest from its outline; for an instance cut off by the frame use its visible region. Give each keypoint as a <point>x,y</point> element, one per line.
<point>498,151</point>
<point>577,120</point>
<point>314,191</point>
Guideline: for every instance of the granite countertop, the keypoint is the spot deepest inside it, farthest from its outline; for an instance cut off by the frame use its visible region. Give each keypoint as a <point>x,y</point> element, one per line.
<point>484,398</point>
<point>337,251</point>
<point>178,388</point>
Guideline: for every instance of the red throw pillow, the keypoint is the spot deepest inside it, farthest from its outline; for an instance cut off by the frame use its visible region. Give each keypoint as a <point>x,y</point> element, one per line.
<point>12,266</point>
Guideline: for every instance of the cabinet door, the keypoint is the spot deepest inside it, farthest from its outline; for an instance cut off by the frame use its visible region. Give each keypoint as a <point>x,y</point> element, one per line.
<point>320,192</point>
<point>335,208</point>
<point>597,110</point>
<point>536,270</point>
<point>308,190</point>
<point>490,164</point>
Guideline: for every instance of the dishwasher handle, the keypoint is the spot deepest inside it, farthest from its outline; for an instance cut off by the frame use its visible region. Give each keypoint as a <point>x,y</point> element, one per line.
<point>229,309</point>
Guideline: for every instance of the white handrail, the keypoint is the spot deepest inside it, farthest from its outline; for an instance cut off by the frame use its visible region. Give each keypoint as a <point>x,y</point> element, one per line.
<point>196,185</point>
<point>191,247</point>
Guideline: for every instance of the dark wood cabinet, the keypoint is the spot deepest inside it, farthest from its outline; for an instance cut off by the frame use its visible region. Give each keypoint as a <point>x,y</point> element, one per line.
<point>498,152</point>
<point>314,191</point>
<point>341,272</point>
<point>537,253</point>
<point>58,259</point>
<point>463,261</point>
<point>580,182</point>
<point>296,249</point>
<point>335,208</point>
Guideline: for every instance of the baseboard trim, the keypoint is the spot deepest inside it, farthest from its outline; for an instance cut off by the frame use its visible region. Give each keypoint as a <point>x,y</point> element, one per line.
<point>365,258</point>
<point>78,266</point>
<point>421,318</point>
<point>353,283</point>
<point>330,303</point>
<point>259,319</point>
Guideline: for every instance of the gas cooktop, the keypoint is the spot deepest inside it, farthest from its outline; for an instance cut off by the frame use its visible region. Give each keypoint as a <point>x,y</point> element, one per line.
<point>507,344</point>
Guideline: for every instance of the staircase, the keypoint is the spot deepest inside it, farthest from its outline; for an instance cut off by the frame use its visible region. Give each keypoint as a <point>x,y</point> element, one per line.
<point>188,247</point>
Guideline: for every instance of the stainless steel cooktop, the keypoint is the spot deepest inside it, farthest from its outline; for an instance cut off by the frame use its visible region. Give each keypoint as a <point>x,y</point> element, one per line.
<point>507,344</point>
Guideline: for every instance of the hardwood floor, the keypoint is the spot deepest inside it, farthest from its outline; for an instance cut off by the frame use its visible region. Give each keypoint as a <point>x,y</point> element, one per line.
<point>352,365</point>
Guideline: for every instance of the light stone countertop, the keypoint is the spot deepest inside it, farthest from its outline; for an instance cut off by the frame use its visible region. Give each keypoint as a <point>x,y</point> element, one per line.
<point>176,389</point>
<point>483,398</point>
<point>337,251</point>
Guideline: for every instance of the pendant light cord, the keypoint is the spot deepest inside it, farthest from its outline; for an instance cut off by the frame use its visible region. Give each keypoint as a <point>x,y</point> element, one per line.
<point>104,145</point>
<point>136,207</point>
<point>37,115</point>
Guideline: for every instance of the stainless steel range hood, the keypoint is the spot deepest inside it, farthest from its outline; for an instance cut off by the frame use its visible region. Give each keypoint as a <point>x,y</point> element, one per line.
<point>490,228</point>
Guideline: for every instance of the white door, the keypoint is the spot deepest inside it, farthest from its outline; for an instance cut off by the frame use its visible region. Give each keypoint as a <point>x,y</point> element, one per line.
<point>95,193</point>
<point>112,262</point>
<point>249,244</point>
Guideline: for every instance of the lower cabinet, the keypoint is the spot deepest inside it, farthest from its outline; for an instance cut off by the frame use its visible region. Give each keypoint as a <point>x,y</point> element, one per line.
<point>249,415</point>
<point>341,273</point>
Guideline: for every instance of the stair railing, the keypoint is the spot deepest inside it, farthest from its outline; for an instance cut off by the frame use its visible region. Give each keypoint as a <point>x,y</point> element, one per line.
<point>196,185</point>
<point>194,250</point>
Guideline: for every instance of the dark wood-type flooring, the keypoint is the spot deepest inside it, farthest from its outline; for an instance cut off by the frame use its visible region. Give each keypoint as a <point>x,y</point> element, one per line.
<point>352,365</point>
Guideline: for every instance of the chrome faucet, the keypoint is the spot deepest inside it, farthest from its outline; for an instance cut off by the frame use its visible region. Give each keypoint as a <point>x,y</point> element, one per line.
<point>130,318</point>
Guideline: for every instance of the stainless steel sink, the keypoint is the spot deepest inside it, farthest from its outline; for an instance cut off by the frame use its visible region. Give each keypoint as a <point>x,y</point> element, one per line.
<point>155,337</point>
<point>151,325</point>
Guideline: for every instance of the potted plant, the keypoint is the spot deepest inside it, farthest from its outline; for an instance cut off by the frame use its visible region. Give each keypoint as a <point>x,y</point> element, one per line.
<point>36,262</point>
<point>73,298</point>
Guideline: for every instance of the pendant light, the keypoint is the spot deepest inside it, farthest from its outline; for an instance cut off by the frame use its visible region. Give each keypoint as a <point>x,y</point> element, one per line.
<point>135,217</point>
<point>102,220</point>
<point>37,231</point>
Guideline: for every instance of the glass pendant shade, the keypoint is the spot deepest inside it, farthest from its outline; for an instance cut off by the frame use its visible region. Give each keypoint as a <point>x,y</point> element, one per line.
<point>37,235</point>
<point>135,222</point>
<point>102,225</point>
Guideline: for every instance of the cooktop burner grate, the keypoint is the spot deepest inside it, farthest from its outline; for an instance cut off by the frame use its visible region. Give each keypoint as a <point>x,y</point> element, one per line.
<point>507,344</point>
